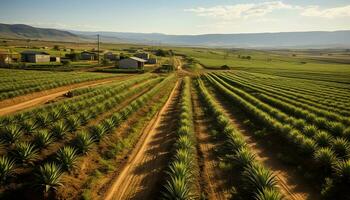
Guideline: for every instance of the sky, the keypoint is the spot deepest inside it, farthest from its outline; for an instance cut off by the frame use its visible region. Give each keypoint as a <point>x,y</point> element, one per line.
<point>180,16</point>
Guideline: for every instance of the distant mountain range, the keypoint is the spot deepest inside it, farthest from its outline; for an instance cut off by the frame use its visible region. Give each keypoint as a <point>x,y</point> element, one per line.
<point>313,39</point>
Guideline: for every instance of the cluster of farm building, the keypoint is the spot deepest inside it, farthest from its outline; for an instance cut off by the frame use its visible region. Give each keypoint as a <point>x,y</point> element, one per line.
<point>137,61</point>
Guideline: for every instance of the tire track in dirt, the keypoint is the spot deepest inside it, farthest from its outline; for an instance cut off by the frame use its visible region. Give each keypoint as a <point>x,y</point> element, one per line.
<point>214,179</point>
<point>16,104</point>
<point>140,175</point>
<point>291,184</point>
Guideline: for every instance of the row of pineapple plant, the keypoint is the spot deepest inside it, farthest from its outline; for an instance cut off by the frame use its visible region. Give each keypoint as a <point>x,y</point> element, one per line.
<point>49,174</point>
<point>181,180</point>
<point>325,160</point>
<point>258,182</point>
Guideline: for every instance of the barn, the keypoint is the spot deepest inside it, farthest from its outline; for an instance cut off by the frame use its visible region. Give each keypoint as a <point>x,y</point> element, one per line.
<point>132,63</point>
<point>35,56</point>
<point>85,55</point>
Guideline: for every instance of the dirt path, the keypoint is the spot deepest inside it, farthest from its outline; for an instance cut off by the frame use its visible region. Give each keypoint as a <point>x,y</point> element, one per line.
<point>292,185</point>
<point>213,179</point>
<point>139,177</point>
<point>9,106</point>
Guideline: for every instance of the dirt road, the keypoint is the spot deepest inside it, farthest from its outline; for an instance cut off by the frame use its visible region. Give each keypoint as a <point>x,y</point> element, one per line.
<point>213,179</point>
<point>291,184</point>
<point>16,104</point>
<point>140,176</point>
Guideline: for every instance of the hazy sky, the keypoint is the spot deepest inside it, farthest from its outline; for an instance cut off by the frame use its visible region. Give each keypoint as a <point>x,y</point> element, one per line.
<point>180,16</point>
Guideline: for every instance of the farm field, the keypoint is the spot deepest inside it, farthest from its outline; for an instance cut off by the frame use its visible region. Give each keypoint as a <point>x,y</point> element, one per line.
<point>272,127</point>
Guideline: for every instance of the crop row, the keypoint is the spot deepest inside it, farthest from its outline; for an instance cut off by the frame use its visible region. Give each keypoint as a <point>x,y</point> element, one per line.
<point>325,164</point>
<point>308,112</point>
<point>182,169</point>
<point>315,89</point>
<point>308,130</point>
<point>336,104</point>
<point>48,175</point>
<point>256,180</point>
<point>43,133</point>
<point>17,87</point>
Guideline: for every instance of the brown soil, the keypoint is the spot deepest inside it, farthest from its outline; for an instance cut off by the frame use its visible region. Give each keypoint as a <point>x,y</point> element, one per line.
<point>141,173</point>
<point>9,106</point>
<point>292,185</point>
<point>213,179</point>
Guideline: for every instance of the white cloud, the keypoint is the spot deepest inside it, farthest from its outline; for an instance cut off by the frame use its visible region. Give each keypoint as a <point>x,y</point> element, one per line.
<point>316,11</point>
<point>251,10</point>
<point>239,11</point>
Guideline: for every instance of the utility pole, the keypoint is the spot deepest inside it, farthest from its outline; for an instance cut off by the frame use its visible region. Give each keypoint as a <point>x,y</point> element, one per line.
<point>98,48</point>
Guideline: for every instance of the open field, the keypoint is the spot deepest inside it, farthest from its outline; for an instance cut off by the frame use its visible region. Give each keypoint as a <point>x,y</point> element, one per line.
<point>272,126</point>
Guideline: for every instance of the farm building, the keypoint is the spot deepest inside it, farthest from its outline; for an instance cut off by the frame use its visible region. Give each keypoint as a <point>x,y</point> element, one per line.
<point>55,59</point>
<point>35,56</point>
<point>132,63</point>
<point>152,61</point>
<point>144,56</point>
<point>85,55</point>
<point>110,56</point>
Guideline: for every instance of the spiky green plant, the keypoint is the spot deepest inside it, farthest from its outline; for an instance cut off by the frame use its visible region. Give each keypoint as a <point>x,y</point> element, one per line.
<point>180,169</point>
<point>55,114</point>
<point>268,194</point>
<point>43,119</point>
<point>11,133</point>
<point>337,128</point>
<point>177,189</point>
<point>310,130</point>
<point>342,171</point>
<point>98,132</point>
<point>29,126</point>
<point>7,167</point>
<point>243,158</point>
<point>83,141</point>
<point>341,147</point>
<point>49,177</point>
<point>25,152</point>
<point>67,157</point>
<point>59,130</point>
<point>73,123</point>
<point>323,138</point>
<point>257,178</point>
<point>108,125</point>
<point>43,138</point>
<point>184,142</point>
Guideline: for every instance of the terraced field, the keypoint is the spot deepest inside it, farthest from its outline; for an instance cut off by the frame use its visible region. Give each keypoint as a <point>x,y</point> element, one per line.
<point>219,134</point>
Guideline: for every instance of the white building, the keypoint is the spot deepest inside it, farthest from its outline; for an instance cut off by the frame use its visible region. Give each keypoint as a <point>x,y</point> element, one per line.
<point>132,63</point>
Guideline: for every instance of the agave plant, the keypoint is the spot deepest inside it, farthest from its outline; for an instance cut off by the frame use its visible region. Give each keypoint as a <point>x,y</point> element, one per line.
<point>25,153</point>
<point>108,125</point>
<point>322,138</point>
<point>49,177</point>
<point>337,128</point>
<point>67,157</point>
<point>42,119</point>
<point>29,126</point>
<point>59,130</point>
<point>177,188</point>
<point>310,130</point>
<point>7,166</point>
<point>243,158</point>
<point>257,178</point>
<point>55,114</point>
<point>43,138</point>
<point>342,171</point>
<point>11,133</point>
<point>269,194</point>
<point>184,142</point>
<point>83,141</point>
<point>325,158</point>
<point>73,123</point>
<point>98,132</point>
<point>341,147</point>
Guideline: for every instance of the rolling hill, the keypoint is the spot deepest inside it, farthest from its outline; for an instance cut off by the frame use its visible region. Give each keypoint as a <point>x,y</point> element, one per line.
<point>314,39</point>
